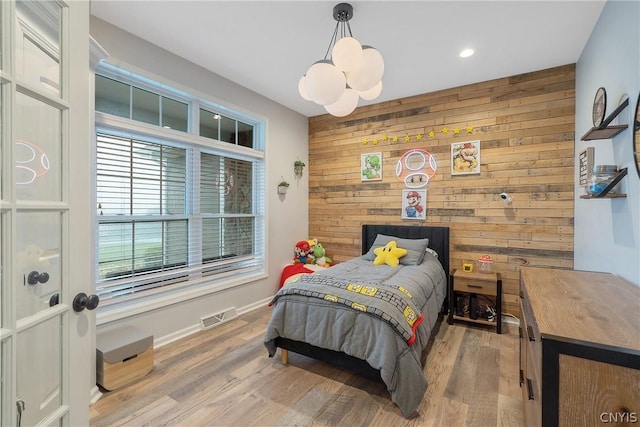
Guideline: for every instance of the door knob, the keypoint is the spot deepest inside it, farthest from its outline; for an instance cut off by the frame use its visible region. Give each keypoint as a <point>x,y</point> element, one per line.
<point>82,301</point>
<point>34,278</point>
<point>54,300</point>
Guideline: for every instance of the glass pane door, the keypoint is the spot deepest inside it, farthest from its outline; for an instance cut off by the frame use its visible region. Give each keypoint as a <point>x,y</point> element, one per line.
<point>38,125</point>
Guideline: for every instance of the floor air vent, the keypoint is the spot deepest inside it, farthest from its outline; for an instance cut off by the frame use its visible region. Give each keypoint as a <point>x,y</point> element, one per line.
<point>214,319</point>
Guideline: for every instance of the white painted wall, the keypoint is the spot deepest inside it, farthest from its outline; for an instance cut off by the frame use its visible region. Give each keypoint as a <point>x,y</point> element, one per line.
<point>286,141</point>
<point>607,231</point>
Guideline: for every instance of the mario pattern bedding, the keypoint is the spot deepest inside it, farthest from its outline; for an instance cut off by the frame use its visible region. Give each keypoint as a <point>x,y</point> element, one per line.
<point>317,309</point>
<point>391,303</point>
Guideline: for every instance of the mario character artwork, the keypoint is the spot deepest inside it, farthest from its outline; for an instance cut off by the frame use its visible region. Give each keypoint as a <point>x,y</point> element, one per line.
<point>371,166</point>
<point>413,208</point>
<point>465,158</point>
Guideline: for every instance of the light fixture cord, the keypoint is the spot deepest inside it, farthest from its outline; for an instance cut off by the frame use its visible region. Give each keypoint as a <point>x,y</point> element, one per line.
<point>343,33</point>
<point>333,40</point>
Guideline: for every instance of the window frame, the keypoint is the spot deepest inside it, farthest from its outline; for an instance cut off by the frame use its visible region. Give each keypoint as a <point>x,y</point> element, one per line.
<point>199,283</point>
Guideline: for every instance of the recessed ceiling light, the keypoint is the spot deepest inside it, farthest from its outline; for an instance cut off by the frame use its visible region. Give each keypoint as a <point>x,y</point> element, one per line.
<point>466,53</point>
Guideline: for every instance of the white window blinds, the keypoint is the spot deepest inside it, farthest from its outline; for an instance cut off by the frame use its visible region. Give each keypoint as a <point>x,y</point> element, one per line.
<point>165,220</point>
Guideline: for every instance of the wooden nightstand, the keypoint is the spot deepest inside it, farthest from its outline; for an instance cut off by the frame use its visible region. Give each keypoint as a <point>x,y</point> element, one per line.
<point>485,288</point>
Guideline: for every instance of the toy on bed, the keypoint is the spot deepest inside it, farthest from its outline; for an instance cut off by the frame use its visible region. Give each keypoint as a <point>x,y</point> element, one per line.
<point>389,254</point>
<point>319,257</point>
<point>303,253</point>
<point>310,252</point>
<point>309,257</point>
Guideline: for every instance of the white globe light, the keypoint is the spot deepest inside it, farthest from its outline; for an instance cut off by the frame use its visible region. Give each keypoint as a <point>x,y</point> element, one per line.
<point>372,93</point>
<point>302,88</point>
<point>345,105</point>
<point>325,83</point>
<point>369,73</point>
<point>347,54</point>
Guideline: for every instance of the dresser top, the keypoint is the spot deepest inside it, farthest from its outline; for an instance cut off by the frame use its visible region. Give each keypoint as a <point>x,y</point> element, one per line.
<point>584,305</point>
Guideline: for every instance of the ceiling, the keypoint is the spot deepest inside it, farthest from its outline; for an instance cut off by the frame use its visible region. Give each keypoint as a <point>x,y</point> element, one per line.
<point>267,46</point>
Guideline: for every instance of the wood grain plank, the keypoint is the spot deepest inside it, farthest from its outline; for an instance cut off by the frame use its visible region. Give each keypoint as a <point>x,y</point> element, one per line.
<point>222,377</point>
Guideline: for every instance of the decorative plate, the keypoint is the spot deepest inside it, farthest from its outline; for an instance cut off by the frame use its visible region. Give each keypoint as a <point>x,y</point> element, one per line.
<point>599,106</point>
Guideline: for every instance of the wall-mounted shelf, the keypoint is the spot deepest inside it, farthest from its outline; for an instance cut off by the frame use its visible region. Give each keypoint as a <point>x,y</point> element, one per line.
<point>604,131</point>
<point>605,192</point>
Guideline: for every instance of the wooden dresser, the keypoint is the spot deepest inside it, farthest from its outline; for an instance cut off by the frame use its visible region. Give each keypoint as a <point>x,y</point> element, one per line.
<point>579,348</point>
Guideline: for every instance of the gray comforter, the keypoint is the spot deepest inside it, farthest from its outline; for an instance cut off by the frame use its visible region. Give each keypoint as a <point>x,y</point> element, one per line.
<point>336,326</point>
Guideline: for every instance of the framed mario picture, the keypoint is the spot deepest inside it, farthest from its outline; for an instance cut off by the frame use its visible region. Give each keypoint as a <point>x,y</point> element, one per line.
<point>465,158</point>
<point>414,204</point>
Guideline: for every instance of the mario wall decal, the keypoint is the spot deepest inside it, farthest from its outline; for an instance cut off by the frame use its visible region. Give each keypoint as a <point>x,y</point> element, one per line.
<point>414,204</point>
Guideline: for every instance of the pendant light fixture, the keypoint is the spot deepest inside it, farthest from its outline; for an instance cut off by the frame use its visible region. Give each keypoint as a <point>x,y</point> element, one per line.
<point>353,71</point>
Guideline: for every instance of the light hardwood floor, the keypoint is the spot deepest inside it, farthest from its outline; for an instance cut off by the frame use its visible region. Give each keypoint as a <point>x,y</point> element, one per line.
<point>223,377</point>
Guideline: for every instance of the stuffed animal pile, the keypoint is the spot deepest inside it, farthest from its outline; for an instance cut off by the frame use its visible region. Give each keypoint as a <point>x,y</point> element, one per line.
<point>311,252</point>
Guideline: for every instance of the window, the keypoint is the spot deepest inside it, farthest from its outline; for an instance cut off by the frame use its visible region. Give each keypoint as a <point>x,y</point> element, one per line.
<point>173,211</point>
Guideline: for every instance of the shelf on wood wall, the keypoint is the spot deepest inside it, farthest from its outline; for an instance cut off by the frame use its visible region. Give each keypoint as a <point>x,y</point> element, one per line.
<point>604,131</point>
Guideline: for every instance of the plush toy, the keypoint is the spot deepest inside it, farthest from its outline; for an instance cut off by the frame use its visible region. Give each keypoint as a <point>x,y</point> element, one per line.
<point>389,254</point>
<point>302,251</point>
<point>312,256</point>
<point>319,256</point>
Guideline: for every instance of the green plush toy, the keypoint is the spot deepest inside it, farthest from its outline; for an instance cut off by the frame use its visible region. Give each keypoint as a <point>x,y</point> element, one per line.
<point>319,256</point>
<point>390,254</point>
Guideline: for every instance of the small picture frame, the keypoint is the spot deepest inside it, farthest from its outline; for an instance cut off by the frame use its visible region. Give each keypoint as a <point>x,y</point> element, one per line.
<point>371,167</point>
<point>599,106</point>
<point>465,158</point>
<point>414,204</point>
<point>585,161</point>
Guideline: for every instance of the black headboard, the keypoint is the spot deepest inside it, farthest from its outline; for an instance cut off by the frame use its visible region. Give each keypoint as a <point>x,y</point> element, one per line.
<point>438,237</point>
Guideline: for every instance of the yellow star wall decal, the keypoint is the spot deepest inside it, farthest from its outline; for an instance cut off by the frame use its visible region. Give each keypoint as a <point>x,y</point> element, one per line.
<point>418,137</point>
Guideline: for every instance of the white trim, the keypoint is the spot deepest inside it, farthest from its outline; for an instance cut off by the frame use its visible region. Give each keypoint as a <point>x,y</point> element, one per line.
<point>254,306</point>
<point>96,54</point>
<point>121,70</point>
<point>197,327</point>
<point>175,336</point>
<point>131,308</point>
<point>128,128</point>
<point>94,395</point>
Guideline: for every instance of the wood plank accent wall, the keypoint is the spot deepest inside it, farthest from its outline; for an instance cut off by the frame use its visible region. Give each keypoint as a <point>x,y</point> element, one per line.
<point>525,125</point>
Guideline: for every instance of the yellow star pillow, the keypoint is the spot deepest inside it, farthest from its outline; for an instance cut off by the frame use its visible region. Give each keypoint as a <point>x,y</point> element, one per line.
<point>389,254</point>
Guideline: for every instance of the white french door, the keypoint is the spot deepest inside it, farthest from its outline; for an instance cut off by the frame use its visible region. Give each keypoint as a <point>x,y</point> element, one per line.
<point>45,225</point>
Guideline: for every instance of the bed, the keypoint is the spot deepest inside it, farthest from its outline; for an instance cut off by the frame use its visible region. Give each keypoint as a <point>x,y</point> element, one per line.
<point>386,335</point>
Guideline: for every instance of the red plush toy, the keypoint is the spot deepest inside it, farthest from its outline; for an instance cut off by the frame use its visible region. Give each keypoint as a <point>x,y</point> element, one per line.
<point>302,251</point>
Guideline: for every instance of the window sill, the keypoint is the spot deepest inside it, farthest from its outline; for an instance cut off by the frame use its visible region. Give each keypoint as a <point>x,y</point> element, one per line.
<point>125,309</point>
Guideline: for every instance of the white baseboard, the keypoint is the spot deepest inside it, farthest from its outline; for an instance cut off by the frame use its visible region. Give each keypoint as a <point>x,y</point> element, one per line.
<point>197,327</point>
<point>94,395</point>
<point>174,336</point>
<point>254,306</point>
